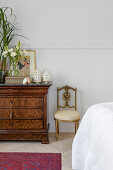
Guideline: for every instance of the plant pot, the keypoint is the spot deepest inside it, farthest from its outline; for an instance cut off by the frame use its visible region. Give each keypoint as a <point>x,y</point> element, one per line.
<point>2,76</point>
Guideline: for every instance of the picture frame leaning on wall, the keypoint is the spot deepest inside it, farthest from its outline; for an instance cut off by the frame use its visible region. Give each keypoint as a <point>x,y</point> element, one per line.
<point>27,64</point>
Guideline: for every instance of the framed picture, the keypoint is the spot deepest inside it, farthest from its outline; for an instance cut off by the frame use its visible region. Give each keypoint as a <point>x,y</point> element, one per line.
<point>27,64</point>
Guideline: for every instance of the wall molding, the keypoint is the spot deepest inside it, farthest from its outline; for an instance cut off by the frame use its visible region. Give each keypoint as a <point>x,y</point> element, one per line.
<point>71,45</point>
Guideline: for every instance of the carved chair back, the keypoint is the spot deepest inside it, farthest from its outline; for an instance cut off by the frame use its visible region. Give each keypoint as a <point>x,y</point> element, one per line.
<point>66,97</point>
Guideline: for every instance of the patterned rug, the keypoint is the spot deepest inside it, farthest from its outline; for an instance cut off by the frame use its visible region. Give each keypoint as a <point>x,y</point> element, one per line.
<point>30,161</point>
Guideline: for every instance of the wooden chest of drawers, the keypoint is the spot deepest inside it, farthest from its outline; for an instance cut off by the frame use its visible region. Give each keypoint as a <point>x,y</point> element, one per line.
<point>23,112</point>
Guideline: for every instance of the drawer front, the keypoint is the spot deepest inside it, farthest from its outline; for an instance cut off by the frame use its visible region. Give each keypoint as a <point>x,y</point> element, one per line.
<point>23,90</point>
<point>21,102</point>
<point>21,124</point>
<point>21,114</point>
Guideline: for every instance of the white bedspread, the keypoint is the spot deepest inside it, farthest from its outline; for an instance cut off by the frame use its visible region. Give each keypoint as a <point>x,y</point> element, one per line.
<point>92,148</point>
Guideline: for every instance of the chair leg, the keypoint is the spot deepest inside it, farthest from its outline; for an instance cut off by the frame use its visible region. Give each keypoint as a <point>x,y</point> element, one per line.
<point>56,123</point>
<point>58,126</point>
<point>75,126</point>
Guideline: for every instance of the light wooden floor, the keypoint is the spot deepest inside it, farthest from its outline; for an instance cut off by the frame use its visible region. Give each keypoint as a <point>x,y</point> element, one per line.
<point>63,145</point>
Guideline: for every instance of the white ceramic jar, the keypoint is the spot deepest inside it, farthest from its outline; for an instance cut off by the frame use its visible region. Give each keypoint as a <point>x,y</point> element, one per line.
<point>46,76</point>
<point>37,76</point>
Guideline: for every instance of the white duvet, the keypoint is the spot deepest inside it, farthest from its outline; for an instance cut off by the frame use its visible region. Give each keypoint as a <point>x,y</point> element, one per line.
<point>92,148</point>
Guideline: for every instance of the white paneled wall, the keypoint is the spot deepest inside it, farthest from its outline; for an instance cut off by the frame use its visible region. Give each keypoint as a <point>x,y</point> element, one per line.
<point>90,70</point>
<point>74,42</point>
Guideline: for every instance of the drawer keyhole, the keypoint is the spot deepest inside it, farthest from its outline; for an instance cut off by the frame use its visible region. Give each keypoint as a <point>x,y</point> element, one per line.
<point>11,102</point>
<point>11,115</point>
<point>11,123</point>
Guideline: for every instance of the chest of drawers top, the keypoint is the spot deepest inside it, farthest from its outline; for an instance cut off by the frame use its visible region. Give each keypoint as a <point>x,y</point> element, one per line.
<point>26,90</point>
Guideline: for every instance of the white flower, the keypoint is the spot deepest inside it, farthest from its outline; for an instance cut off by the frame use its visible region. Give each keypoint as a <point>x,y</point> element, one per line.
<point>4,53</point>
<point>25,52</point>
<point>10,50</point>
<point>21,53</point>
<point>13,54</point>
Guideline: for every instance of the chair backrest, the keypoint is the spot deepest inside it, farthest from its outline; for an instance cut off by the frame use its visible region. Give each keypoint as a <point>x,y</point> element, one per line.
<point>66,97</point>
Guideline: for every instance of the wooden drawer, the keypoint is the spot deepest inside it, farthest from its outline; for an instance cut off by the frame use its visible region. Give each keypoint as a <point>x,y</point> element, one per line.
<point>21,113</point>
<point>21,124</point>
<point>30,136</point>
<point>21,102</point>
<point>21,90</point>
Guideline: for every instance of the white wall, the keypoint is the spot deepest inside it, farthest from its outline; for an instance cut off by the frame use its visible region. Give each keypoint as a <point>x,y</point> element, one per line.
<point>74,41</point>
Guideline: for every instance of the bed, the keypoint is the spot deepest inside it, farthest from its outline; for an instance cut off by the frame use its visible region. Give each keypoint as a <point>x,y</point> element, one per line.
<point>92,147</point>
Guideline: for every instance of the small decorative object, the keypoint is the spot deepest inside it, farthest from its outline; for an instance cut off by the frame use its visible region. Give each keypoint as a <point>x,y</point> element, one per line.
<point>14,54</point>
<point>37,76</point>
<point>46,76</point>
<point>14,80</point>
<point>27,64</point>
<point>26,81</point>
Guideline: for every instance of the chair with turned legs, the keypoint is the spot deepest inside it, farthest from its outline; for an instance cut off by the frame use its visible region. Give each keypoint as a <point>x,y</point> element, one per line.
<point>66,113</point>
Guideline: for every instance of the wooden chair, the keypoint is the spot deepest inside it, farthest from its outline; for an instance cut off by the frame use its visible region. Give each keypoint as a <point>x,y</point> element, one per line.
<point>66,115</point>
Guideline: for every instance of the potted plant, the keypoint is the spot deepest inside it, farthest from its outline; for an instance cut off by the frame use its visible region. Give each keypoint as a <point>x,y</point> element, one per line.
<point>6,36</point>
<point>13,54</point>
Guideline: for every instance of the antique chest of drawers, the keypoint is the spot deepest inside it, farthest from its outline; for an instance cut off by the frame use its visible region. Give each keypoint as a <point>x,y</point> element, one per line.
<point>23,112</point>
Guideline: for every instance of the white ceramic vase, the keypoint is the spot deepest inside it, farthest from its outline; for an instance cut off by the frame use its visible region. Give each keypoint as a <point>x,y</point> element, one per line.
<point>46,76</point>
<point>37,76</point>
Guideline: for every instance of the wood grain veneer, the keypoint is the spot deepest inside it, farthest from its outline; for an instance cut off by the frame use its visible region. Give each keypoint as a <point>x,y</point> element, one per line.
<point>23,112</point>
